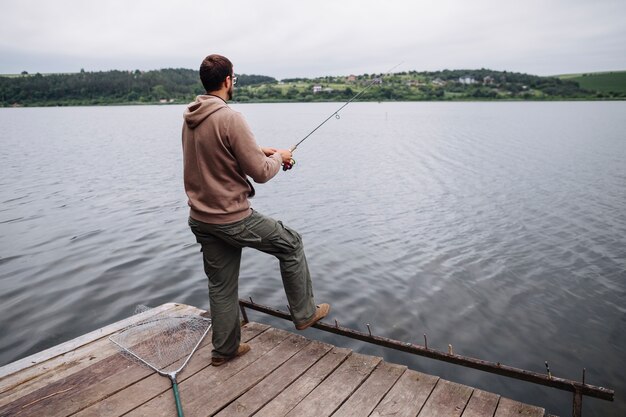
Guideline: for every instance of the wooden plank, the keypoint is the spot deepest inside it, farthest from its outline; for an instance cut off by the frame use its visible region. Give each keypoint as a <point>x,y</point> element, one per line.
<point>291,396</point>
<point>481,404</point>
<point>129,397</point>
<point>367,397</point>
<point>229,390</point>
<point>510,408</point>
<point>274,384</point>
<point>62,366</point>
<point>81,389</point>
<point>407,396</point>
<point>72,345</point>
<point>37,371</point>
<point>49,399</point>
<point>59,367</point>
<point>332,392</point>
<point>447,399</point>
<point>206,381</point>
<point>284,374</point>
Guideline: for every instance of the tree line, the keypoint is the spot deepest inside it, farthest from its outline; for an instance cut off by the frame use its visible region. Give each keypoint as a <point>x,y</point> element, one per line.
<point>179,85</point>
<point>108,87</point>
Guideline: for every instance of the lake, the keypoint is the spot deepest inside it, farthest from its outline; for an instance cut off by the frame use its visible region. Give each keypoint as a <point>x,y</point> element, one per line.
<point>499,228</point>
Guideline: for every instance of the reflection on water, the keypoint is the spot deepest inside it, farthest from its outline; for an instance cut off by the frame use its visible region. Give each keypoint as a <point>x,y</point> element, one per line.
<point>495,227</point>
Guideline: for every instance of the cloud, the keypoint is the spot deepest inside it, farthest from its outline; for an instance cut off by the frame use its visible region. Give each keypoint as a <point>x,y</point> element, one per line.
<point>308,38</point>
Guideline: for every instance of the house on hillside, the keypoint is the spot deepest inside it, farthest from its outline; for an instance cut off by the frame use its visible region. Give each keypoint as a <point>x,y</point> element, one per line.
<point>467,80</point>
<point>488,80</point>
<point>317,89</point>
<point>351,78</point>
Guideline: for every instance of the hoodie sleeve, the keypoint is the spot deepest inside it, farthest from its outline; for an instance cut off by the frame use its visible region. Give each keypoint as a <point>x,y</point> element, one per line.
<point>248,153</point>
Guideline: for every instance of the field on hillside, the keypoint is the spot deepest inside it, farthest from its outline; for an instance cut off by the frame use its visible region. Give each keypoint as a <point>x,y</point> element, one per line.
<point>614,81</point>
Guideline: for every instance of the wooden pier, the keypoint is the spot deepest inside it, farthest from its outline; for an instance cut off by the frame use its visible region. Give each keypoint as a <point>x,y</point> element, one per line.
<point>285,374</point>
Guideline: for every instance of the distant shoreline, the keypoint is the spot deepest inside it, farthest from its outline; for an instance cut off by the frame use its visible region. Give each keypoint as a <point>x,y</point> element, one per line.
<point>235,102</point>
<point>181,86</point>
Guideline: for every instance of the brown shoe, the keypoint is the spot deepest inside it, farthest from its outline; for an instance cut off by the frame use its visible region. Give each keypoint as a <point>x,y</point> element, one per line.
<point>321,311</point>
<point>241,350</point>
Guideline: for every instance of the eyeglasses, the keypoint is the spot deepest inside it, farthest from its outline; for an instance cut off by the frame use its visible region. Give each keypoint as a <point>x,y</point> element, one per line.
<point>234,79</point>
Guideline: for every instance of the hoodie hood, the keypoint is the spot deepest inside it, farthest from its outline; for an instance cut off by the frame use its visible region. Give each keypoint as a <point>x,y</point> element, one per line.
<point>203,107</point>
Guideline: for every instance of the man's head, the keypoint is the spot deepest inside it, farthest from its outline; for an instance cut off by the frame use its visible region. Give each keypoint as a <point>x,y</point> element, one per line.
<point>216,73</point>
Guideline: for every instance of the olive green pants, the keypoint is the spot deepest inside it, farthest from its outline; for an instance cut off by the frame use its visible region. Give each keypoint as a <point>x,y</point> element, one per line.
<point>221,250</point>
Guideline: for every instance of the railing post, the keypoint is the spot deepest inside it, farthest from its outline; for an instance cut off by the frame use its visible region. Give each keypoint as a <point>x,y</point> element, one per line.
<point>244,314</point>
<point>577,411</point>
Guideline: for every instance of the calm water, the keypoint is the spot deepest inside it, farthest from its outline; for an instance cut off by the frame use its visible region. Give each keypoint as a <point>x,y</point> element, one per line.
<point>496,227</point>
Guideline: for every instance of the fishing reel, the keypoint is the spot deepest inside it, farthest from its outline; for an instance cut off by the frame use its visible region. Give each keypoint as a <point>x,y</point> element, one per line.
<point>288,165</point>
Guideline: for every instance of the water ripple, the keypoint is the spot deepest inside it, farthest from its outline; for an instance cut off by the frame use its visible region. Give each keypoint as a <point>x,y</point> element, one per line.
<point>496,227</point>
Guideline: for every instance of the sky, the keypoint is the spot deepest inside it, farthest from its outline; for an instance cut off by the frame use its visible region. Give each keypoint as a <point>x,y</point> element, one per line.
<point>286,39</point>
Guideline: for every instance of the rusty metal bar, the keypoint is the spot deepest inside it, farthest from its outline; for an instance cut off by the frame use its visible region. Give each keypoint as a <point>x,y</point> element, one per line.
<point>487,366</point>
<point>577,410</point>
<point>244,315</point>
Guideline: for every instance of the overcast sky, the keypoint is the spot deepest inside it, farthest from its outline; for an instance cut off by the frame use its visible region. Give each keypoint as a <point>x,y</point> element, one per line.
<point>312,38</point>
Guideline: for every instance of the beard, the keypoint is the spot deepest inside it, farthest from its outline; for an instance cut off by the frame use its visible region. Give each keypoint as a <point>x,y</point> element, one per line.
<point>230,92</point>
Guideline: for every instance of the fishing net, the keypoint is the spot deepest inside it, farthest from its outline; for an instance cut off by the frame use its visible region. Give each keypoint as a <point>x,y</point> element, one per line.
<point>163,343</point>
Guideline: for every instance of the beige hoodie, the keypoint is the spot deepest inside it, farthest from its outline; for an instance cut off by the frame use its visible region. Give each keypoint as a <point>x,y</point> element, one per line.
<point>219,151</point>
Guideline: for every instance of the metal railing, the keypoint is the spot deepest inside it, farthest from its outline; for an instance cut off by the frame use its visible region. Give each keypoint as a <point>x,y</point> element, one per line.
<point>579,389</point>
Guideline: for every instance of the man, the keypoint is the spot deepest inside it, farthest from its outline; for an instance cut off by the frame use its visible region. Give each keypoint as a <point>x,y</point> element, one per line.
<point>219,153</point>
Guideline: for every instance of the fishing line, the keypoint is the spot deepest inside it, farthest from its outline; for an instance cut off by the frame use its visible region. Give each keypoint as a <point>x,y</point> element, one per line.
<point>288,166</point>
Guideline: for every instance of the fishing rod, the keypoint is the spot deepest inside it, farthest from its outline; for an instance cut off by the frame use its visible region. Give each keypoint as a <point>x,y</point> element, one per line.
<point>291,163</point>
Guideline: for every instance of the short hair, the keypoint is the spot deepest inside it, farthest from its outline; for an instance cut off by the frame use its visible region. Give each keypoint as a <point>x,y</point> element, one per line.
<point>214,70</point>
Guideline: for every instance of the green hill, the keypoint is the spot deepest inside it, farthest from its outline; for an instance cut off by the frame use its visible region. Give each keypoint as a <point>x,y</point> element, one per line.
<point>613,82</point>
<point>179,85</point>
<point>171,85</point>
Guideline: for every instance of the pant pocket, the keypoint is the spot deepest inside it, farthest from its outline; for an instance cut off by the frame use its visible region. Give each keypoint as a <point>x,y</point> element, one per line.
<point>200,235</point>
<point>238,234</point>
<point>286,239</point>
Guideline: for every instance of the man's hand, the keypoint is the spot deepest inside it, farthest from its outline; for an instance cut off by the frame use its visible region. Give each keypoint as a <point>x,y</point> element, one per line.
<point>286,155</point>
<point>269,151</point>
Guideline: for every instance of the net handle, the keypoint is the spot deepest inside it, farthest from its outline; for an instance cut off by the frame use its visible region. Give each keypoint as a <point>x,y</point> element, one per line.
<point>179,405</point>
